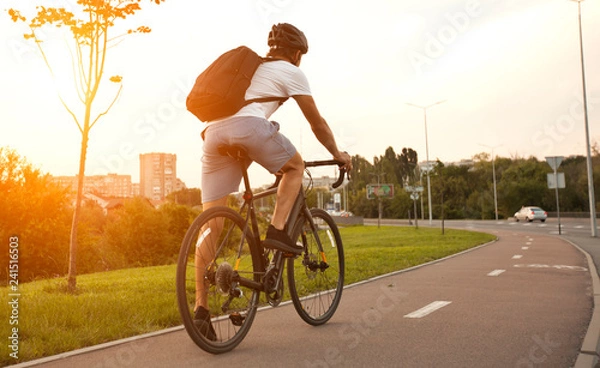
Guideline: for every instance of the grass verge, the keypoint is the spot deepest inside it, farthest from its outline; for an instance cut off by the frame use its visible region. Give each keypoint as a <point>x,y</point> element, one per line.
<point>113,305</point>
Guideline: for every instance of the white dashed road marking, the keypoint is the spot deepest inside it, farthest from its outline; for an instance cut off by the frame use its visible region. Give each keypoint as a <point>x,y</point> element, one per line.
<point>495,272</point>
<point>517,256</point>
<point>524,248</point>
<point>428,309</point>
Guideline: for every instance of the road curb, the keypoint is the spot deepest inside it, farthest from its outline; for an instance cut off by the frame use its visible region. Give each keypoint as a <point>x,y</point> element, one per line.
<point>589,355</point>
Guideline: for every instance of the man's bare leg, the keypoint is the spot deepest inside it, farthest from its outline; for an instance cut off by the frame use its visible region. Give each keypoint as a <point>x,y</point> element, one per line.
<point>287,191</point>
<point>205,253</point>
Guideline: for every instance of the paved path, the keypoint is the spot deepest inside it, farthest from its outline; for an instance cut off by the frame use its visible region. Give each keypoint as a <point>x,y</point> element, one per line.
<point>523,301</point>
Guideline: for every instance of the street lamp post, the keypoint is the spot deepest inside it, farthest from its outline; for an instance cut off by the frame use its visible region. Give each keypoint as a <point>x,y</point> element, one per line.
<point>590,174</point>
<point>379,204</point>
<point>421,184</point>
<point>494,179</point>
<point>424,108</point>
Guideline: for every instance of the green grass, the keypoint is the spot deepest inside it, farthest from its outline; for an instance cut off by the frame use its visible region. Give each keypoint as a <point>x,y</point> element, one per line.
<point>372,252</point>
<point>118,304</point>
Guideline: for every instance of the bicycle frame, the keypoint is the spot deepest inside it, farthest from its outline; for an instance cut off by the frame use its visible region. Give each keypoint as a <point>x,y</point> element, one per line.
<point>299,209</point>
<point>240,268</point>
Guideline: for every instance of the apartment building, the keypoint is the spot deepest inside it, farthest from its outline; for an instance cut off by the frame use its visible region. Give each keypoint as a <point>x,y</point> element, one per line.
<point>111,185</point>
<point>158,175</point>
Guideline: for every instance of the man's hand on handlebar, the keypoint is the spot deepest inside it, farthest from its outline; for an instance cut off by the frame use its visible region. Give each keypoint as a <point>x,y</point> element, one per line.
<point>345,159</point>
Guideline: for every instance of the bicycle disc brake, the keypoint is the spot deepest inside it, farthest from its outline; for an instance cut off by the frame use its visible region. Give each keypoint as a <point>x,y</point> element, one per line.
<point>274,295</point>
<point>310,263</point>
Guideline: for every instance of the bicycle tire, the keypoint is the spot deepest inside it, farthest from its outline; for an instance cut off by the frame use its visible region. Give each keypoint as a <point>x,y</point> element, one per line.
<point>316,293</point>
<point>243,308</point>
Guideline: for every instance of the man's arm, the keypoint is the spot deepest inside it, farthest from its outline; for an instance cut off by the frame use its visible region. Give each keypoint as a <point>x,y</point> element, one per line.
<point>321,129</point>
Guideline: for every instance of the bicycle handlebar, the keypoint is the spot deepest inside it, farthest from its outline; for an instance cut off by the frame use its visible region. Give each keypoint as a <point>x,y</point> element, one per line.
<point>340,178</point>
<point>337,183</point>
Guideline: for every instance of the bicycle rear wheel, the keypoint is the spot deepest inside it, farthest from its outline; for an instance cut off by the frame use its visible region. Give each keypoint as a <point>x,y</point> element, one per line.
<point>232,307</point>
<point>316,278</point>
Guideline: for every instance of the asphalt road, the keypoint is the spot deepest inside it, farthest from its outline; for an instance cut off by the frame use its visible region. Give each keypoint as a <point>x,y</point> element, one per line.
<point>525,300</point>
<point>575,230</point>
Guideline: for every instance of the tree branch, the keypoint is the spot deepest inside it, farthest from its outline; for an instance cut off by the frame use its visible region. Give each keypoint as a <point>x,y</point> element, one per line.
<point>38,43</point>
<point>71,113</point>
<point>77,77</point>
<point>109,107</point>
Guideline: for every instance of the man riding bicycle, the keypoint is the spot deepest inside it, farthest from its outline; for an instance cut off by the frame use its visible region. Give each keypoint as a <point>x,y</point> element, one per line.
<point>251,129</point>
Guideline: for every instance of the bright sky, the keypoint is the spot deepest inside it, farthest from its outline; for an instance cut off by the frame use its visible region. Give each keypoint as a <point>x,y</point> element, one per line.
<point>509,73</point>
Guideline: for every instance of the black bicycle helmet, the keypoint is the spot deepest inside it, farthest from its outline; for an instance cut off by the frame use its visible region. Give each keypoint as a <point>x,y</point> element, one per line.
<point>286,35</point>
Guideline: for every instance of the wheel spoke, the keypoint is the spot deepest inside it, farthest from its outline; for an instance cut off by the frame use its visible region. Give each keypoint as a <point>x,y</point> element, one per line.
<point>316,279</point>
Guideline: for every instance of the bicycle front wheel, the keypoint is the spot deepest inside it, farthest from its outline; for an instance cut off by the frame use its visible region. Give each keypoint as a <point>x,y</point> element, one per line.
<point>217,247</point>
<point>316,278</point>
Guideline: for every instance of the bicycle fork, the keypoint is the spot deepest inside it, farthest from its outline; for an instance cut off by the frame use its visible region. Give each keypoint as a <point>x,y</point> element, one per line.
<point>310,260</point>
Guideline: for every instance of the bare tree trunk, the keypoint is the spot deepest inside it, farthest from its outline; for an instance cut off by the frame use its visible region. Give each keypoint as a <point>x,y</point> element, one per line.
<point>72,275</point>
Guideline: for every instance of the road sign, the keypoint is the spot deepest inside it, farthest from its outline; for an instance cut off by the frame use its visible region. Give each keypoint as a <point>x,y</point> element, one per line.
<point>414,196</point>
<point>560,177</point>
<point>554,161</point>
<point>380,191</point>
<point>412,189</point>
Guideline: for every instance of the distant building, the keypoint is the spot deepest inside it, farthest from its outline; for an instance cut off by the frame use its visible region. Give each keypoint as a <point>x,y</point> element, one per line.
<point>111,185</point>
<point>135,189</point>
<point>158,175</point>
<point>319,182</point>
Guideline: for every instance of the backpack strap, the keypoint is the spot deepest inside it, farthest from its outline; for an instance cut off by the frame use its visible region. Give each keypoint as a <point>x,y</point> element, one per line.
<point>267,99</point>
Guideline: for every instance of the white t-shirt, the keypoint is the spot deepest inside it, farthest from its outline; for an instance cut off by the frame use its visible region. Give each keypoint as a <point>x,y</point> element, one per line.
<point>274,79</point>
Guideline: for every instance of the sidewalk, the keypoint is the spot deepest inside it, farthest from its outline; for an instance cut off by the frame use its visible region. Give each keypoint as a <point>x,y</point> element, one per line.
<point>588,244</point>
<point>590,349</point>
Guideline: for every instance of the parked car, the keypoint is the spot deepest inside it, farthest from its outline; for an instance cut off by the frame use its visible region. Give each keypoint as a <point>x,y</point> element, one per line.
<point>531,213</point>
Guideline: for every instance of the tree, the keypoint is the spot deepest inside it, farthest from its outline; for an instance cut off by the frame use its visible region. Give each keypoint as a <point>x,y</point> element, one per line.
<point>35,211</point>
<point>89,234</point>
<point>191,197</point>
<point>523,184</point>
<point>179,218</point>
<point>90,30</point>
<point>137,235</point>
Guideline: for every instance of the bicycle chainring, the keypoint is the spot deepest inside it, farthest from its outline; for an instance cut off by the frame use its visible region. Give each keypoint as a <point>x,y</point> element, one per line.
<point>274,296</point>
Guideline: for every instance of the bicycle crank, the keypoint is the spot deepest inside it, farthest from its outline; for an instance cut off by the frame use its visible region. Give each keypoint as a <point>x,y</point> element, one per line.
<point>273,287</point>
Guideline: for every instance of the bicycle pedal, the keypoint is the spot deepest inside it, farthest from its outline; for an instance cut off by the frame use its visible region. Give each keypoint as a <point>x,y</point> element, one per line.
<point>237,319</point>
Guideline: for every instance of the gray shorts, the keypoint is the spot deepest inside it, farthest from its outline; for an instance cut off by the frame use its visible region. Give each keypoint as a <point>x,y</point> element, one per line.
<point>221,175</point>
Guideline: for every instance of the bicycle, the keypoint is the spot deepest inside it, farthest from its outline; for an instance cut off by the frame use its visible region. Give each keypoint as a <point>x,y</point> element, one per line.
<point>241,269</point>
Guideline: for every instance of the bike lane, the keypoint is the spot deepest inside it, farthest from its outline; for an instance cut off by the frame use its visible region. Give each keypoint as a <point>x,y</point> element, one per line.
<point>523,301</point>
